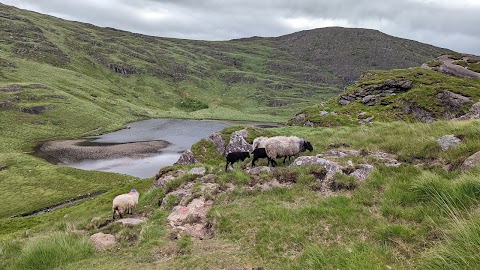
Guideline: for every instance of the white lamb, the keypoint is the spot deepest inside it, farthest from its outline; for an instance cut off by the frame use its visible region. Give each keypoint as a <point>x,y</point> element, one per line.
<point>124,203</point>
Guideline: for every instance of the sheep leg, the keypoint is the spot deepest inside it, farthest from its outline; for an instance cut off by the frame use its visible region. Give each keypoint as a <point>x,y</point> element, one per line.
<point>253,162</point>
<point>226,166</point>
<point>285,158</point>
<point>113,217</point>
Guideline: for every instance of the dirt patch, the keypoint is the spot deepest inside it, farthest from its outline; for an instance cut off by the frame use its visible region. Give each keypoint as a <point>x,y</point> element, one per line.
<point>72,150</point>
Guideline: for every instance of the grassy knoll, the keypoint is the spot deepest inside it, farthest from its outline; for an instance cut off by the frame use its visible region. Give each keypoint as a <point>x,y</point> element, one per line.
<point>400,217</point>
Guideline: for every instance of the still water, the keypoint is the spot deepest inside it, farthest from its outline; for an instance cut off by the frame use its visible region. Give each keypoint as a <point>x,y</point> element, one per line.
<point>180,133</point>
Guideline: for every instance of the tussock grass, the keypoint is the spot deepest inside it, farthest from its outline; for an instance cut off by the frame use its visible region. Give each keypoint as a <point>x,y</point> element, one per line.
<point>53,251</point>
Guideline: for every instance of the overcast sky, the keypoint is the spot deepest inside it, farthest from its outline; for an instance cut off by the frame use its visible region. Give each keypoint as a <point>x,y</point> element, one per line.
<point>453,24</point>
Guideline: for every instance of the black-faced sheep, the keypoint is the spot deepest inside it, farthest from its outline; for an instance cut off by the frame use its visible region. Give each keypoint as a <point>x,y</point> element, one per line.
<point>124,203</point>
<point>236,156</point>
<point>282,146</point>
<point>259,153</point>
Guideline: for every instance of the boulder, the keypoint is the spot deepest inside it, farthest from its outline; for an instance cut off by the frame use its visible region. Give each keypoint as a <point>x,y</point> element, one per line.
<point>101,241</point>
<point>238,143</point>
<point>448,141</point>
<point>330,166</point>
<point>471,161</point>
<point>186,158</point>
<point>418,112</point>
<point>166,176</point>
<point>208,178</point>
<point>323,113</point>
<point>218,141</point>
<point>452,100</point>
<point>191,219</point>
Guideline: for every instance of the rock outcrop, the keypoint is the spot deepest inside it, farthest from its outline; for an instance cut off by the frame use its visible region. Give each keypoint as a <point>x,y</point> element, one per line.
<point>371,95</point>
<point>238,143</point>
<point>186,158</point>
<point>102,241</point>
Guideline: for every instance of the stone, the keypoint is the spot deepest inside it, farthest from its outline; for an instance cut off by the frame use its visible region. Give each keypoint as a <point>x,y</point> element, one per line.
<point>448,141</point>
<point>164,177</point>
<point>452,100</point>
<point>473,113</point>
<point>259,170</point>
<point>238,143</point>
<point>419,112</point>
<point>344,102</point>
<point>362,173</point>
<point>369,100</point>
<point>331,167</point>
<point>101,241</point>
<point>471,161</point>
<point>187,158</point>
<point>341,153</point>
<point>368,119</point>
<point>218,141</point>
<point>131,221</point>
<point>198,171</point>
<point>323,113</point>
<point>191,219</point>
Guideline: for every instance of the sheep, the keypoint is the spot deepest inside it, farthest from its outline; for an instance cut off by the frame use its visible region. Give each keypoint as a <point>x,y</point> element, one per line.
<point>259,153</point>
<point>124,203</point>
<point>236,156</point>
<point>282,146</point>
<point>259,142</point>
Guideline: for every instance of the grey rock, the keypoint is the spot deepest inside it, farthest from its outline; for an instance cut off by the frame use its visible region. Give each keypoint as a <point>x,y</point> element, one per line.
<point>131,221</point>
<point>452,100</point>
<point>471,161</point>
<point>363,172</point>
<point>198,171</point>
<point>344,102</point>
<point>323,113</point>
<point>341,153</point>
<point>218,141</point>
<point>187,158</point>
<point>448,141</point>
<point>473,113</point>
<point>164,180</point>
<point>368,119</point>
<point>237,143</point>
<point>419,112</point>
<point>330,166</point>
<point>259,170</point>
<point>370,99</point>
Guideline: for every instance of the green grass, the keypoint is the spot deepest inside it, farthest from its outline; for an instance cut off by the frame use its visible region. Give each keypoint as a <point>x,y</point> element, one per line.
<point>426,85</point>
<point>52,251</point>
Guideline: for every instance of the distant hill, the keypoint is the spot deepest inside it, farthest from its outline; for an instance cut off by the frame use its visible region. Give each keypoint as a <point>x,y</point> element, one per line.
<point>154,75</point>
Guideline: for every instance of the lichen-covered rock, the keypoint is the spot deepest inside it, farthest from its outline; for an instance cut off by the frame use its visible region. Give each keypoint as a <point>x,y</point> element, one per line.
<point>218,141</point>
<point>101,241</point>
<point>448,141</point>
<point>186,158</point>
<point>238,143</point>
<point>163,178</point>
<point>471,161</point>
<point>331,167</point>
<point>452,100</point>
<point>191,219</point>
<point>363,172</point>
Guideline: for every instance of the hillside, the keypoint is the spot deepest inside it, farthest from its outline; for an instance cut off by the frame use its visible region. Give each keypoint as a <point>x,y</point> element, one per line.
<point>381,196</point>
<point>444,89</point>
<point>273,76</point>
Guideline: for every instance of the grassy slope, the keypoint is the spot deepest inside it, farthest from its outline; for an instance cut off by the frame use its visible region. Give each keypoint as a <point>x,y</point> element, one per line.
<point>426,85</point>
<point>400,217</point>
<point>381,223</point>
